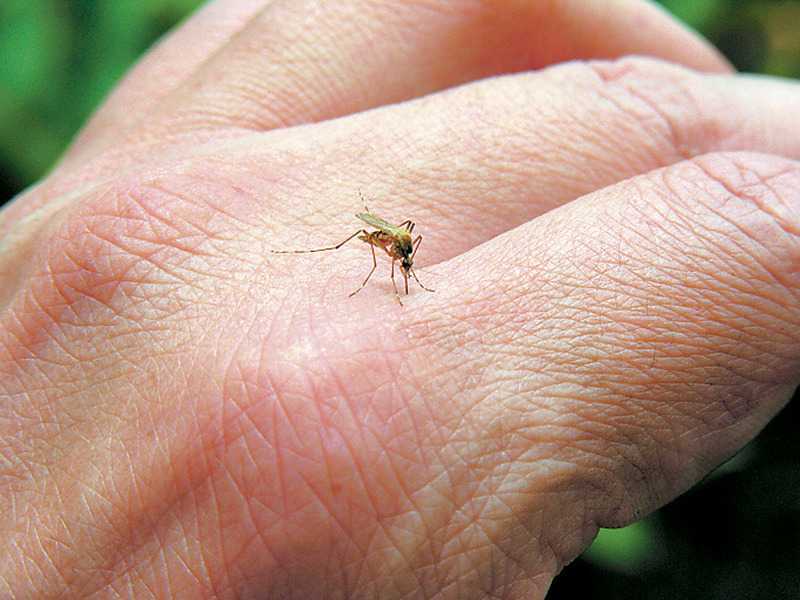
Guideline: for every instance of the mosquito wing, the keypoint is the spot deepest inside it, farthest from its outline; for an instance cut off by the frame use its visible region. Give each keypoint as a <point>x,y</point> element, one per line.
<point>379,223</point>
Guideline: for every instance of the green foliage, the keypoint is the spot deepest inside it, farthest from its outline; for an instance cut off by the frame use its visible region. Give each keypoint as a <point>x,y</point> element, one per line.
<point>627,550</point>
<point>32,42</point>
<point>59,60</point>
<point>699,15</point>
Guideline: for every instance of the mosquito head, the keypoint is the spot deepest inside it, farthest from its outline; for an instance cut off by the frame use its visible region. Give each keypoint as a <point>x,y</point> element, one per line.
<point>405,252</point>
<point>407,261</point>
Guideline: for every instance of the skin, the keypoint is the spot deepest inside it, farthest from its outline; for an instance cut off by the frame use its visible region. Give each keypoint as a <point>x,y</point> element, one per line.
<point>614,247</point>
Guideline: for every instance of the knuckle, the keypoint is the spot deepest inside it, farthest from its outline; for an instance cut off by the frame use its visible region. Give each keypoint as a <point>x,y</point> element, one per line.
<point>755,198</point>
<point>134,259</point>
<point>666,101</point>
<point>751,210</point>
<point>766,181</point>
<point>728,222</point>
<point>129,250</point>
<point>743,257</point>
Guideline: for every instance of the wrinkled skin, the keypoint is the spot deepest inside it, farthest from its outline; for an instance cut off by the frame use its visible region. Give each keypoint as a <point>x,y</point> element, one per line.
<point>614,247</point>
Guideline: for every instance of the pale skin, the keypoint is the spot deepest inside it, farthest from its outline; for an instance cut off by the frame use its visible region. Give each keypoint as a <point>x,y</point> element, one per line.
<point>614,249</point>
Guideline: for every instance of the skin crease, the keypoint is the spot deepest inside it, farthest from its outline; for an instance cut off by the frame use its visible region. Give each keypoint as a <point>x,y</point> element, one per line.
<point>614,245</point>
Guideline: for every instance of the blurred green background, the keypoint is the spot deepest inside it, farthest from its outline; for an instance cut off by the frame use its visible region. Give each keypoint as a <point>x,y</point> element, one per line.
<point>737,535</point>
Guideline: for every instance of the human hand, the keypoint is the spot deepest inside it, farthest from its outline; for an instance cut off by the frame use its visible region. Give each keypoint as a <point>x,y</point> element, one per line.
<point>185,414</point>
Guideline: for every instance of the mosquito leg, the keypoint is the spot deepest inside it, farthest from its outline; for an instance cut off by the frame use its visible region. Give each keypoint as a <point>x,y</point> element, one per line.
<point>414,275</point>
<point>394,285</point>
<point>340,244</point>
<point>371,271</point>
<point>336,247</point>
<point>415,244</point>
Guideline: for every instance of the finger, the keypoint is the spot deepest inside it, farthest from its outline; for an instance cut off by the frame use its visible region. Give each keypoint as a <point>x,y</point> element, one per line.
<point>307,61</point>
<point>471,163</point>
<point>543,139</point>
<point>626,343</point>
<point>163,69</point>
<point>255,80</point>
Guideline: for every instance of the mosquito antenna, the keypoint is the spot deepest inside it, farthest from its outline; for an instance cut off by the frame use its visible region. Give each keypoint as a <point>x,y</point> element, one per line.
<point>364,200</point>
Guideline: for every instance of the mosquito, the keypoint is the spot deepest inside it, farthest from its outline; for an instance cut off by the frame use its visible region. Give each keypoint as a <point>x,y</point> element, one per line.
<point>395,240</point>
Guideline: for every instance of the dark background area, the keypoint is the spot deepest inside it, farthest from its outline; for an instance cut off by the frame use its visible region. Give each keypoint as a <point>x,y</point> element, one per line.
<point>736,535</point>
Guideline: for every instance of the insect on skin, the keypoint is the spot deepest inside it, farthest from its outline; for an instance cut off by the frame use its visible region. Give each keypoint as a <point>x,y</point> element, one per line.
<point>395,240</point>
